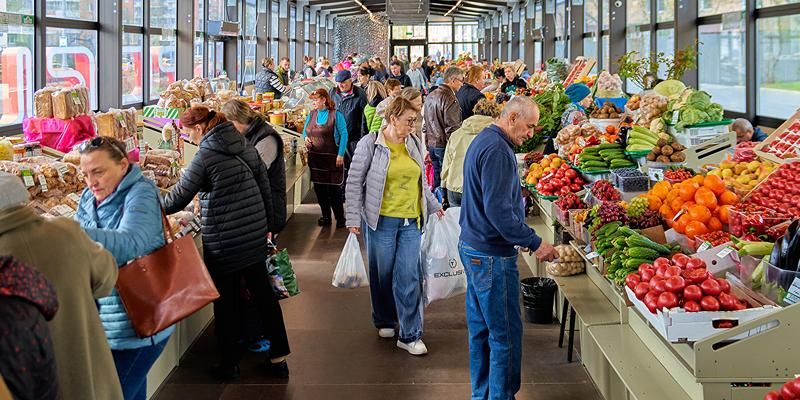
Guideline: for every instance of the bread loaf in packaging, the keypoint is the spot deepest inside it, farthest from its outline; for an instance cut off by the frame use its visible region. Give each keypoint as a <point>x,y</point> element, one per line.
<point>107,124</point>
<point>43,102</point>
<point>62,104</point>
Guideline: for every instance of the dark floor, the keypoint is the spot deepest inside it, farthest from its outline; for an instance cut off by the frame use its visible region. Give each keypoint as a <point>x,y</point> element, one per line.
<point>337,354</point>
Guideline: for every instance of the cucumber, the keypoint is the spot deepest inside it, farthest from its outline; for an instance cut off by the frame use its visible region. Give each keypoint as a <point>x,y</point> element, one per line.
<point>598,164</point>
<point>609,146</point>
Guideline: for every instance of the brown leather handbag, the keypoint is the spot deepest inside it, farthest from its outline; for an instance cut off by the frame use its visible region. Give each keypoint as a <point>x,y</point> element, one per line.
<point>165,286</point>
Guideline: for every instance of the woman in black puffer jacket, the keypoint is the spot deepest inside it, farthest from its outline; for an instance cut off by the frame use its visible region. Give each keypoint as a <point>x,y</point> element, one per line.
<point>236,215</point>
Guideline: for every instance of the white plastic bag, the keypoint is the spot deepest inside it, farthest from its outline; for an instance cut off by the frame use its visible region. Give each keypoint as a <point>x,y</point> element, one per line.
<point>444,272</point>
<point>350,272</point>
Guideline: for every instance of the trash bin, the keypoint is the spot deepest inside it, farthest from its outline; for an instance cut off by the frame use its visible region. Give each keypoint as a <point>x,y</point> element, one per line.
<point>537,298</point>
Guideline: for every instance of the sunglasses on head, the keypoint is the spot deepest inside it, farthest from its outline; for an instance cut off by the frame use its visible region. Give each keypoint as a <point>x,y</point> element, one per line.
<point>98,142</point>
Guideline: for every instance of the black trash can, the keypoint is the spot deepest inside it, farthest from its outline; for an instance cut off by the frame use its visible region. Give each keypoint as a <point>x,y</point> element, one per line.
<point>537,297</point>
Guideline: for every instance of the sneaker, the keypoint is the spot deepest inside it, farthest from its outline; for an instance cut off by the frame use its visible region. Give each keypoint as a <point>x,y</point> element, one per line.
<point>324,221</point>
<point>415,348</point>
<point>279,370</point>
<point>386,333</point>
<point>340,224</point>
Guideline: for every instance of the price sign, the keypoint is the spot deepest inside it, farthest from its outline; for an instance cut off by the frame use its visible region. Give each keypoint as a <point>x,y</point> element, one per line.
<point>655,174</point>
<point>42,182</point>
<point>703,247</point>
<point>27,178</point>
<point>129,144</point>
<point>678,215</point>
<point>74,198</point>
<point>724,252</point>
<point>675,117</point>
<point>793,295</point>
<point>592,255</point>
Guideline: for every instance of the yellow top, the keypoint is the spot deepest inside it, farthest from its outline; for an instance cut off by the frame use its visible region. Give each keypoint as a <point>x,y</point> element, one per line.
<point>403,190</point>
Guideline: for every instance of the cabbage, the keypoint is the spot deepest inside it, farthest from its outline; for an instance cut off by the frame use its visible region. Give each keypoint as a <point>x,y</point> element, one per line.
<point>670,88</point>
<point>715,112</point>
<point>691,116</point>
<point>699,99</point>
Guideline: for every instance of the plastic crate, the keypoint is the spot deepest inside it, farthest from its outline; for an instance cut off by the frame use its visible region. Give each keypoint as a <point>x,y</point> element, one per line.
<point>696,134</point>
<point>619,102</point>
<point>629,184</point>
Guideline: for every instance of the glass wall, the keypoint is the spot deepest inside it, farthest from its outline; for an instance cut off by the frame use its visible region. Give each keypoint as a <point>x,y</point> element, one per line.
<point>16,63</point>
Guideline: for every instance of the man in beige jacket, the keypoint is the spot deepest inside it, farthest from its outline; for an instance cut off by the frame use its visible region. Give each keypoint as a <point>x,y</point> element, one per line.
<point>81,271</point>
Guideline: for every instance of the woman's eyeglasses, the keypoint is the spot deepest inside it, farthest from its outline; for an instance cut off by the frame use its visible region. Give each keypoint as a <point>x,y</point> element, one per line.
<point>411,122</point>
<point>98,142</point>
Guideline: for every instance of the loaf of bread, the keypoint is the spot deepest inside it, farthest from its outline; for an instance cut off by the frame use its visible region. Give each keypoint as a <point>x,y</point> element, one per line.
<point>43,102</point>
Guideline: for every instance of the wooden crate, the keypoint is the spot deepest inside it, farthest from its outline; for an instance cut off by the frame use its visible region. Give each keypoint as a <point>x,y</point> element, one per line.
<point>759,149</point>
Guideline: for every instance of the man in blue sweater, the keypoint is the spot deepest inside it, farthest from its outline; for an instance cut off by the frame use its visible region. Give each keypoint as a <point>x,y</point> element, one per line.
<point>492,228</point>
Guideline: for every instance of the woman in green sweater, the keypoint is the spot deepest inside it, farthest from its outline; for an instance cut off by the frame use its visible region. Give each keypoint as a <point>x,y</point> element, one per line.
<point>375,94</point>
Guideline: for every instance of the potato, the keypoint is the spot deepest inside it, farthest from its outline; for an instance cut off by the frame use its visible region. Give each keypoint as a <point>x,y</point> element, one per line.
<point>667,150</point>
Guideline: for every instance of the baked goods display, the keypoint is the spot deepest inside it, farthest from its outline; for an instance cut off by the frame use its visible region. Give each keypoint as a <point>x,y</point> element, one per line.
<point>116,123</point>
<point>69,102</point>
<point>43,102</point>
<point>182,94</point>
<point>45,177</point>
<point>162,166</point>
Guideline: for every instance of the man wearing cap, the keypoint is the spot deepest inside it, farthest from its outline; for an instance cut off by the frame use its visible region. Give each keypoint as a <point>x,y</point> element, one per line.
<point>580,97</point>
<point>350,100</point>
<point>81,271</point>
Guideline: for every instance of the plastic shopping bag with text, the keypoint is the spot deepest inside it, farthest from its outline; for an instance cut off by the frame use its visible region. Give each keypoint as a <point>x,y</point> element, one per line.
<point>444,273</point>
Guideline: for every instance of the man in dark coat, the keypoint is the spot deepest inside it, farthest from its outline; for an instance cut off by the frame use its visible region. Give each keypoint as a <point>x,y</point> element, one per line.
<point>396,72</point>
<point>350,100</point>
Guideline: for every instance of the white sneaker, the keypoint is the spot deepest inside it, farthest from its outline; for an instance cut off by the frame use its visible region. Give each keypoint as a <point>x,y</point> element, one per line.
<point>386,333</point>
<point>416,348</point>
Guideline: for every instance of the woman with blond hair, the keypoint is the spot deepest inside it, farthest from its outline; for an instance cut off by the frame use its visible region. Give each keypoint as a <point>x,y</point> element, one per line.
<point>375,94</point>
<point>388,194</point>
<point>470,93</point>
<point>269,145</point>
<point>268,81</point>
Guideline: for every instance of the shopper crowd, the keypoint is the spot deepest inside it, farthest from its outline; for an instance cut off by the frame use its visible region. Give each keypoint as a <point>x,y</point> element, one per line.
<point>369,140</point>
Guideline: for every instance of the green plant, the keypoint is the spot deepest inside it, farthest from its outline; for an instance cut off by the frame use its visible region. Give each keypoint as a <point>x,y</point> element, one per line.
<point>641,70</point>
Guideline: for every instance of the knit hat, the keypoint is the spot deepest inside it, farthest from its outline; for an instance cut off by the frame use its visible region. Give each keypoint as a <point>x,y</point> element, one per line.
<point>577,92</point>
<point>12,191</point>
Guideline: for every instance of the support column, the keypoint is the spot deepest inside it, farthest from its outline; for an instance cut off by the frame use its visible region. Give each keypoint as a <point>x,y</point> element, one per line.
<point>300,38</point>
<point>262,34</point>
<point>231,58</point>
<point>331,22</point>
<point>528,38</point>
<point>616,39</point>
<point>686,34</point>
<point>576,30</point>
<point>109,45</point>
<point>283,28</point>
<point>549,32</point>
<point>515,39</point>
<point>184,38</point>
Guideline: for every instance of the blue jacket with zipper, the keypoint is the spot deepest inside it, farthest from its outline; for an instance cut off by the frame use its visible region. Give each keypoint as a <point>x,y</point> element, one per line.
<point>128,224</point>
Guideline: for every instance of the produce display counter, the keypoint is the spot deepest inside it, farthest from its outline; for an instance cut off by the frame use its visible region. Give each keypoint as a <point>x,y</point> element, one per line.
<point>628,358</point>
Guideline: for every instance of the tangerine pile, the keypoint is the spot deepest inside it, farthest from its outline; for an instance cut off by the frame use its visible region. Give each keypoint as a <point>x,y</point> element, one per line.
<point>703,203</point>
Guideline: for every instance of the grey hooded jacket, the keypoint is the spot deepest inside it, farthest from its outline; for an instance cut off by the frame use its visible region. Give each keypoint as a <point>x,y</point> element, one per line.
<point>367,179</point>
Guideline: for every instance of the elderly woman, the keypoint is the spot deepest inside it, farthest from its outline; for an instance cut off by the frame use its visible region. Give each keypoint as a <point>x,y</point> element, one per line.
<point>120,209</point>
<point>236,215</point>
<point>388,193</point>
<point>269,145</point>
<point>484,114</point>
<point>513,82</point>
<point>580,97</point>
<point>325,135</point>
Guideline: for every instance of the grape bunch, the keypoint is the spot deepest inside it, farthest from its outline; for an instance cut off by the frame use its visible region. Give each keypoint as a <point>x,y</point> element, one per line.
<point>609,212</point>
<point>603,190</point>
<point>570,201</point>
<point>638,206</point>
<point>647,219</point>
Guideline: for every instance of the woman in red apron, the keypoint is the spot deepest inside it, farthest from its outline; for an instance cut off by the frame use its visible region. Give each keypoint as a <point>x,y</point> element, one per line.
<point>325,135</point>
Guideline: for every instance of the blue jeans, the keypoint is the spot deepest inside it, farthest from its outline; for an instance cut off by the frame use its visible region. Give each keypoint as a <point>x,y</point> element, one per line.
<point>437,156</point>
<point>395,276</point>
<point>494,324</point>
<point>133,366</point>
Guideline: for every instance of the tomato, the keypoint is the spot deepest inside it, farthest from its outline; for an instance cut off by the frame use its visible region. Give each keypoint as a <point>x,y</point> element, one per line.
<point>571,173</point>
<point>632,279</point>
<point>652,295</point>
<point>773,396</point>
<point>575,187</point>
<point>692,306</point>
<point>641,289</point>
<point>786,392</point>
<point>727,302</point>
<point>695,263</point>
<point>661,261</point>
<point>645,266</point>
<point>740,306</point>
<point>695,276</point>
<point>709,303</point>
<point>672,271</point>
<point>675,284</point>
<point>667,300</point>
<point>659,287</point>
<point>710,287</point>
<point>647,275</point>
<point>693,293</point>
<point>680,260</point>
<point>661,271</point>
<point>795,387</point>
<point>724,285</point>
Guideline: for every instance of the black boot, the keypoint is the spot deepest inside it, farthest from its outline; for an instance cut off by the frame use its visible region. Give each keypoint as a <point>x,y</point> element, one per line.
<point>225,372</point>
<point>278,370</point>
<point>322,221</point>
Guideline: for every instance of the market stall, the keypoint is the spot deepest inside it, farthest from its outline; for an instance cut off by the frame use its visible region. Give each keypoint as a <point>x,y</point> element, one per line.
<point>687,244</point>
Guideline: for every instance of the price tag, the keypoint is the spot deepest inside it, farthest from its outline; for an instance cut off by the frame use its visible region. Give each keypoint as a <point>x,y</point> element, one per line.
<point>76,99</point>
<point>675,117</point>
<point>122,122</point>
<point>129,144</point>
<point>592,255</point>
<point>655,174</point>
<point>27,178</point>
<point>703,247</point>
<point>62,170</point>
<point>724,252</point>
<point>61,210</point>
<point>73,197</point>
<point>42,182</point>
<point>678,215</point>
<point>793,295</point>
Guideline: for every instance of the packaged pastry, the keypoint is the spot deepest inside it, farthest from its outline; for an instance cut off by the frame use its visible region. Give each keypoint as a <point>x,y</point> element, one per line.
<point>43,102</point>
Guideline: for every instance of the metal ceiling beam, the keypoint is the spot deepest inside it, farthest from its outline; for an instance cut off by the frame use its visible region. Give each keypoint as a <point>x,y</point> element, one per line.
<point>441,8</point>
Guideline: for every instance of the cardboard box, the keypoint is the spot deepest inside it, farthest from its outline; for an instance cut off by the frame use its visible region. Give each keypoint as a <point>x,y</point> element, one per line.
<point>160,112</point>
<point>790,127</point>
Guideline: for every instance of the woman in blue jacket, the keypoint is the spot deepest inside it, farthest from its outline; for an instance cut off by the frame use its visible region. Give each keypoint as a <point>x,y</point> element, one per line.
<point>120,209</point>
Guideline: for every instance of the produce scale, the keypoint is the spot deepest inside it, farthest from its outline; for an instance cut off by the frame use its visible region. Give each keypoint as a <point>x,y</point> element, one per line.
<point>678,250</point>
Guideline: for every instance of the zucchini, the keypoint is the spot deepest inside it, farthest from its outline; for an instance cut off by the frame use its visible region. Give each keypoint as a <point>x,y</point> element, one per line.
<point>643,253</point>
<point>609,146</point>
<point>641,241</point>
<point>634,263</point>
<point>590,164</point>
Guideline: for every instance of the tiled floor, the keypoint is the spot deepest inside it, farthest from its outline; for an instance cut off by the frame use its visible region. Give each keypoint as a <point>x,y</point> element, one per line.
<point>338,355</point>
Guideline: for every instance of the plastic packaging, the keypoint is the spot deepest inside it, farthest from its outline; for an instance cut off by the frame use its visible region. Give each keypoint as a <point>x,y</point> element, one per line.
<point>444,272</point>
<point>350,272</point>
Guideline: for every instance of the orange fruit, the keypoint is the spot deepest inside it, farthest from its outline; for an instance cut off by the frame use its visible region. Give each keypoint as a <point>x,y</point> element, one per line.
<point>666,211</point>
<point>728,198</point>
<point>700,213</point>
<point>654,202</point>
<point>672,195</point>
<point>725,213</point>
<point>661,190</point>
<point>714,184</point>
<point>682,222</point>
<point>699,179</point>
<point>705,197</point>
<point>688,204</point>
<point>714,224</point>
<point>695,228</point>
<point>687,192</point>
<point>676,204</point>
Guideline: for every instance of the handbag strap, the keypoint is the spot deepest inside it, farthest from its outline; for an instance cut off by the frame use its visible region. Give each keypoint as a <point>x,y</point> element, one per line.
<point>246,166</point>
<point>168,235</point>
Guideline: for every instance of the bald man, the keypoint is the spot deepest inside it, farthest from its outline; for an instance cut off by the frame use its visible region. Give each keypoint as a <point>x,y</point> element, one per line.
<point>492,227</point>
<point>745,132</point>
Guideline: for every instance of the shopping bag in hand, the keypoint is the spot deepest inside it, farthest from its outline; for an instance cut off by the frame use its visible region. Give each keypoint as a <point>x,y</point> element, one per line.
<point>444,272</point>
<point>281,273</point>
<point>350,272</point>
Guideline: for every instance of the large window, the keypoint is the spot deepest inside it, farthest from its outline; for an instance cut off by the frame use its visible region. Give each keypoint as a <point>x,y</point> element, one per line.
<point>778,45</point>
<point>769,3</point>
<point>85,10</point>
<point>408,32</point>
<point>665,43</point>
<point>590,15</point>
<point>133,12</point>
<point>466,39</point>
<point>307,34</point>
<point>292,35</point>
<point>72,59</point>
<point>162,63</point>
<point>132,68</point>
<point>665,10</point>
<point>164,14</point>
<point>16,63</point>
<point>713,7</point>
<point>722,66</point>
<point>274,29</point>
